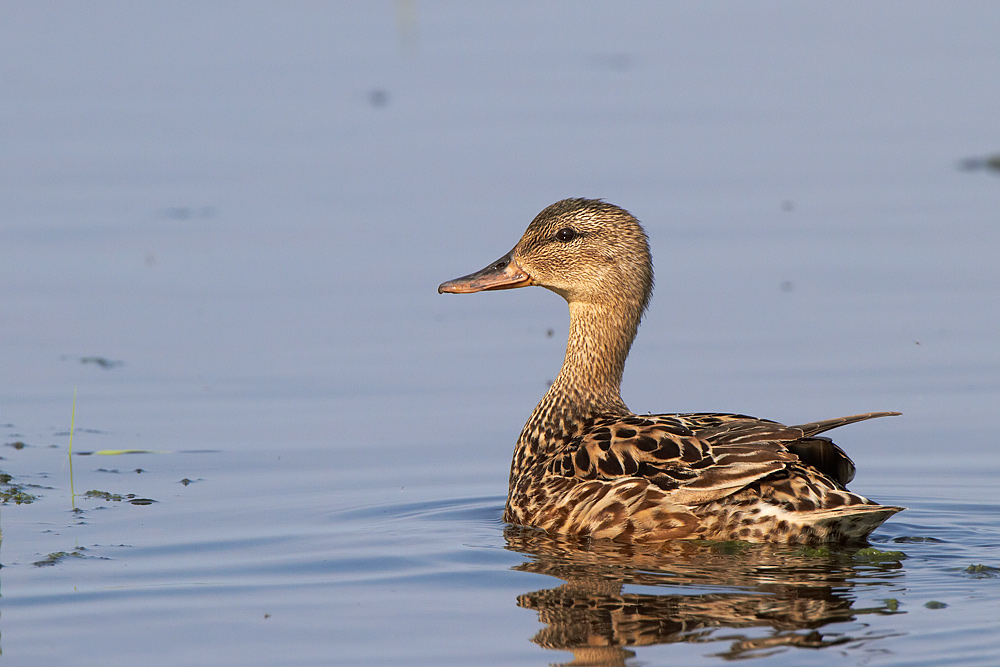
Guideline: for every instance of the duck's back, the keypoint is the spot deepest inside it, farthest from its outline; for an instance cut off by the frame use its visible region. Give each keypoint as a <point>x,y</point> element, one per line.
<point>703,476</point>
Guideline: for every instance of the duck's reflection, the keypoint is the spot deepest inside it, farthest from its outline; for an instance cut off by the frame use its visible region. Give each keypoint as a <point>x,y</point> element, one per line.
<point>711,593</point>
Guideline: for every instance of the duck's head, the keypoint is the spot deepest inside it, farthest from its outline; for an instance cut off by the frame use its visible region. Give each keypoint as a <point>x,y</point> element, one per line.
<point>586,250</point>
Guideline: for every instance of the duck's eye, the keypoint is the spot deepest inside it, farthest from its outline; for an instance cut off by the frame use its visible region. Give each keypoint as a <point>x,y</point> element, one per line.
<point>566,234</point>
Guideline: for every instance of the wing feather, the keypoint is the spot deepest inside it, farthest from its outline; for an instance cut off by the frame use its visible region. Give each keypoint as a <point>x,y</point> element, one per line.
<point>702,457</point>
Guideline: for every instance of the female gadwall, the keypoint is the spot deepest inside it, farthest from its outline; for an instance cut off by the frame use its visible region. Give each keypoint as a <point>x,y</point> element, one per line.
<point>586,465</point>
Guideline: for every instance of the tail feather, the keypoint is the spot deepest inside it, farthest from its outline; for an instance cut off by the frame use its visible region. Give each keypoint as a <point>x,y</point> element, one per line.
<point>814,428</point>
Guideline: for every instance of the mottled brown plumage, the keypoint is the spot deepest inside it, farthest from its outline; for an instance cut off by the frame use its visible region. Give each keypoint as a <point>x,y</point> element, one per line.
<point>586,465</point>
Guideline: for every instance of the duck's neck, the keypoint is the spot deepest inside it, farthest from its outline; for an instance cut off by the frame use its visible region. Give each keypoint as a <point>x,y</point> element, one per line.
<point>589,382</point>
<point>590,379</point>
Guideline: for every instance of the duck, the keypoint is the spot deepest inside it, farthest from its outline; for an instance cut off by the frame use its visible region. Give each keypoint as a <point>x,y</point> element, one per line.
<point>585,465</point>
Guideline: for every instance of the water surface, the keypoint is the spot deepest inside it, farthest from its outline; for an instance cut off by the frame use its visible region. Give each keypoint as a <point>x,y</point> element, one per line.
<point>223,228</point>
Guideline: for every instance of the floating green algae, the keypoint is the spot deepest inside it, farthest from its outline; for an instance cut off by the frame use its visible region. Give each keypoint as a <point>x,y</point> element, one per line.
<point>118,497</point>
<point>981,571</point>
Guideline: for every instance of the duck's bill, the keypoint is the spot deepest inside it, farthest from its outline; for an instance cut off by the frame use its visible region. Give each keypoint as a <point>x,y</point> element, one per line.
<point>505,273</point>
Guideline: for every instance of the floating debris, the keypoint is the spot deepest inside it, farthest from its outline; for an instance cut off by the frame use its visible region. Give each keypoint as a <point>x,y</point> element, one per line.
<point>13,493</point>
<point>982,571</point>
<point>934,604</point>
<point>105,495</point>
<point>117,497</point>
<point>17,495</point>
<point>58,556</point>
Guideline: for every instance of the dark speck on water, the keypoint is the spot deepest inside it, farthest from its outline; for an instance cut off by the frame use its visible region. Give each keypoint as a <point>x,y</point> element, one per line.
<point>189,212</point>
<point>989,162</point>
<point>378,98</point>
<point>102,362</point>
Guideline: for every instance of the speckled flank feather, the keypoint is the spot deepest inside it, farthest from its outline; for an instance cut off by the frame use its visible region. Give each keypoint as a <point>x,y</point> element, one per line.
<point>585,465</point>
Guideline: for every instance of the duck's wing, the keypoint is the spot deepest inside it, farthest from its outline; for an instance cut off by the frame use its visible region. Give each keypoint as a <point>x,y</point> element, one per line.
<point>699,458</point>
<point>692,464</point>
<point>818,452</point>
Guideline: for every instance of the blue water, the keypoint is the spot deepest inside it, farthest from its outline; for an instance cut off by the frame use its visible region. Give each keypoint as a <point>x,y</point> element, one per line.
<point>244,210</point>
